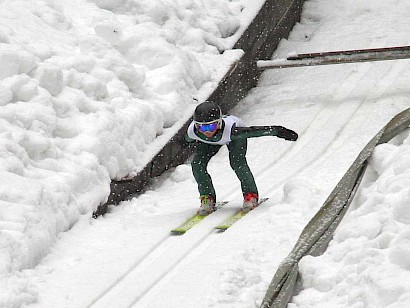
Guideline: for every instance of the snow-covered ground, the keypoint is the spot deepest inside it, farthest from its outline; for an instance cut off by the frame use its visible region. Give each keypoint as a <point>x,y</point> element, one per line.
<point>57,167</point>
<point>90,91</point>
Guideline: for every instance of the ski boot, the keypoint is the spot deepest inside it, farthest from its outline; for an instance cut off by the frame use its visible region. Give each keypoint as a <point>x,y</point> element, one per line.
<point>207,205</point>
<point>250,201</point>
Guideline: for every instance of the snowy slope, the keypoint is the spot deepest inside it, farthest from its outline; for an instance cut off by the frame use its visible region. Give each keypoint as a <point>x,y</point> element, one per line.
<point>128,258</point>
<point>91,91</point>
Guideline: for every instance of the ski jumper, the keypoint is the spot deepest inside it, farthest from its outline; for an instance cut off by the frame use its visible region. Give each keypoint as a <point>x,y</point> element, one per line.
<point>234,134</point>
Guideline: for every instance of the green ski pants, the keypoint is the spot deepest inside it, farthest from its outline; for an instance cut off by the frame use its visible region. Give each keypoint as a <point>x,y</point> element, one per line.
<point>237,159</point>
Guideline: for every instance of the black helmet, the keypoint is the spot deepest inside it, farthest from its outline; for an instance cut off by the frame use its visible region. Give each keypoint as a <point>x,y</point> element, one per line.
<point>207,112</point>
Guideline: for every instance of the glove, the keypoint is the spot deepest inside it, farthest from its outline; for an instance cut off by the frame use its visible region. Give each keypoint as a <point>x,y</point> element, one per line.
<point>286,134</point>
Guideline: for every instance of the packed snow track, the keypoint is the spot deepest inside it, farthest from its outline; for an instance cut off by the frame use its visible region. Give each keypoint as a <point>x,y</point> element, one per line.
<point>330,128</point>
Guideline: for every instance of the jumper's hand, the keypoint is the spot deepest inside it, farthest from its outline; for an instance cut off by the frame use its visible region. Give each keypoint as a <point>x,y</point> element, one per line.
<point>286,134</point>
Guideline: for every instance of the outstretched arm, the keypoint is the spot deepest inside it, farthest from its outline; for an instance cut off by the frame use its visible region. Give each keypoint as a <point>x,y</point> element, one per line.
<point>259,131</point>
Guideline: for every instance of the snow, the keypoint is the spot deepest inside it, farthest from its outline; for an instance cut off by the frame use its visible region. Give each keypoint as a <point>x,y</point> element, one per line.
<point>367,263</point>
<point>90,91</point>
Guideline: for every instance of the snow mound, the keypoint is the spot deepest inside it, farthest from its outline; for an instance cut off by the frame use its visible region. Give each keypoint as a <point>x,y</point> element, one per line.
<point>367,264</point>
<point>86,90</point>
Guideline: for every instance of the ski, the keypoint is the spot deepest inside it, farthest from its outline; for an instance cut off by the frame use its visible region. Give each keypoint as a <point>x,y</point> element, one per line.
<point>235,217</point>
<point>194,220</point>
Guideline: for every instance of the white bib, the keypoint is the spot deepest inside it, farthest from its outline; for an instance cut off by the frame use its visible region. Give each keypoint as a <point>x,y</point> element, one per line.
<point>226,135</point>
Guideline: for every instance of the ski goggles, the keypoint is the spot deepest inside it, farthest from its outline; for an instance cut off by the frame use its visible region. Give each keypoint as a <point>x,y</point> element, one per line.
<point>207,127</point>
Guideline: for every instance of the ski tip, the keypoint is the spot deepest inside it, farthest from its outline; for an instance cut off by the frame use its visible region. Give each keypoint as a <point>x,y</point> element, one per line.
<point>177,232</point>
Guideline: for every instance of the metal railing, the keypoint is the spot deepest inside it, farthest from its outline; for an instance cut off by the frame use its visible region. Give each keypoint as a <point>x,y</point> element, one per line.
<point>337,57</point>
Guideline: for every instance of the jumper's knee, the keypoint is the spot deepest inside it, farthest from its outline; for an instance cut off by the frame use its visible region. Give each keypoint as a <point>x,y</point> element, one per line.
<point>238,162</point>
